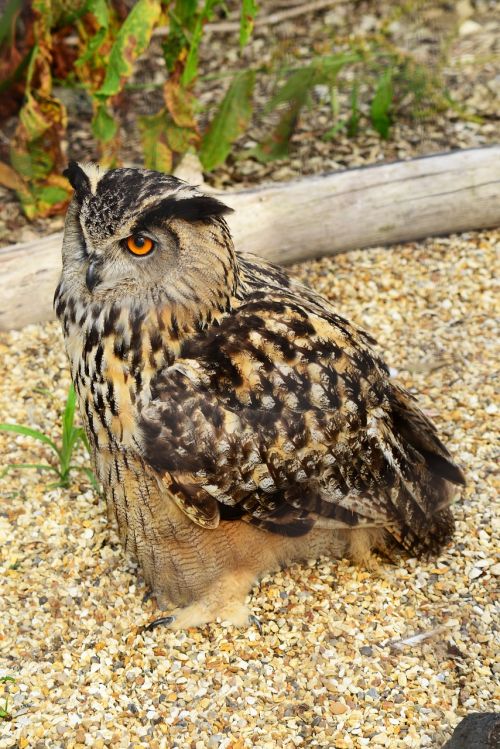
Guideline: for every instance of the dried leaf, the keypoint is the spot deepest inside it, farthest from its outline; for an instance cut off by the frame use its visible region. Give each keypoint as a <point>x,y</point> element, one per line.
<point>180,103</point>
<point>230,121</point>
<point>35,151</point>
<point>157,153</point>
<point>9,178</point>
<point>181,139</point>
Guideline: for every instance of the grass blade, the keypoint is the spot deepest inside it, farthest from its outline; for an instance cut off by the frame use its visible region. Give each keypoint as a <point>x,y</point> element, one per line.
<point>249,10</point>
<point>83,438</point>
<point>381,104</point>
<point>38,466</point>
<point>295,93</point>
<point>27,432</point>
<point>89,473</point>
<point>353,121</point>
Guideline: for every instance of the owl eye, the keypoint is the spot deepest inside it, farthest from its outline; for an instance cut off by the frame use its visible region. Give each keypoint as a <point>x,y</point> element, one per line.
<point>139,245</point>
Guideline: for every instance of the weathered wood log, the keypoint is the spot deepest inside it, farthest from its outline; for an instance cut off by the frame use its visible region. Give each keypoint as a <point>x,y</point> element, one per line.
<point>298,220</point>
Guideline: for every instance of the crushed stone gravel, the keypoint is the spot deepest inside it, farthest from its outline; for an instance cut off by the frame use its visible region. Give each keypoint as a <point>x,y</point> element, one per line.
<point>337,664</point>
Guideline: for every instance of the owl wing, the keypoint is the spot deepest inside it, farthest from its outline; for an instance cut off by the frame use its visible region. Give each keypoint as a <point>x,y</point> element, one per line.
<point>284,417</point>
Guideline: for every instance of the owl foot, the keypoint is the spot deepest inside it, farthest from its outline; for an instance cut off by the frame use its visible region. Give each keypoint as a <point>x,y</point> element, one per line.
<point>224,601</point>
<point>198,614</point>
<point>171,622</point>
<point>162,621</point>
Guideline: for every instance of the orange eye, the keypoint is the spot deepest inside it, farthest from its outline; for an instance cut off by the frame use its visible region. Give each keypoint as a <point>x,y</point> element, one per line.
<point>139,245</point>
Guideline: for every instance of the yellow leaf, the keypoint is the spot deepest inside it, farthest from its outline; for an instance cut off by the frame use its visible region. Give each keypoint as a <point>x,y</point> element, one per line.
<point>11,179</point>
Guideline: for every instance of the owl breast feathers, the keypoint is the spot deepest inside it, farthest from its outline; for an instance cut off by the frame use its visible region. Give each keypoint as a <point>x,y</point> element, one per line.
<point>243,393</point>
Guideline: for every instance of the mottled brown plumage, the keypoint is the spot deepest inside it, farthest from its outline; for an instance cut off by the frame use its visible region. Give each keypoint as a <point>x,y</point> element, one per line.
<point>237,421</point>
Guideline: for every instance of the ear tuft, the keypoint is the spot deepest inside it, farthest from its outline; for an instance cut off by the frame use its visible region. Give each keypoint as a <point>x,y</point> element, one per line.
<point>77,178</point>
<point>198,208</point>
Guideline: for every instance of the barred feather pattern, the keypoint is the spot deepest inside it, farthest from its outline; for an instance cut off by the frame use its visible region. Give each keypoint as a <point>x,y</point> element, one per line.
<point>284,413</point>
<point>232,389</point>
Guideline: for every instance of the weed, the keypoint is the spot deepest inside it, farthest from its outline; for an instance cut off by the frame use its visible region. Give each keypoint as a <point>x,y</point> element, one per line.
<point>71,436</point>
<point>380,82</point>
<point>4,710</point>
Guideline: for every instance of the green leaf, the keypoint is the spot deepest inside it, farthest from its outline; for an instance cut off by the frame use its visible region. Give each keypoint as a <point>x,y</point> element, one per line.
<point>91,47</point>
<point>104,125</point>
<point>100,9</point>
<point>131,41</point>
<point>180,139</point>
<point>191,67</point>
<point>322,70</point>
<point>66,12</point>
<point>381,104</point>
<point>332,132</point>
<point>3,679</point>
<point>295,94</point>
<point>249,10</point>
<point>7,20</point>
<point>27,432</point>
<point>49,196</point>
<point>69,413</point>
<point>69,433</point>
<point>157,152</point>
<point>230,121</point>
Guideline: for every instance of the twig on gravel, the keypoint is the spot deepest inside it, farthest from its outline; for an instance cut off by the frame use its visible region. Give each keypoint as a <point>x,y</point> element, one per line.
<point>417,638</point>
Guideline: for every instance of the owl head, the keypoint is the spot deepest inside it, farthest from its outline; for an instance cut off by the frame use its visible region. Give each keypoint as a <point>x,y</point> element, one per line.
<point>142,234</point>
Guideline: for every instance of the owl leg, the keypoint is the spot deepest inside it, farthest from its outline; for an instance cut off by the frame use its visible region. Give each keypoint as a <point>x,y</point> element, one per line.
<point>224,600</point>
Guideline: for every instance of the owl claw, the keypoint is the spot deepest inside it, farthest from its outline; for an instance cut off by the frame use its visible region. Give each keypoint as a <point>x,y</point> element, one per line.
<point>252,619</point>
<point>162,621</point>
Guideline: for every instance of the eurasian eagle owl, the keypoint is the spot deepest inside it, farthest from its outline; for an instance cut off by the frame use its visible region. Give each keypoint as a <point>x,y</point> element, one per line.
<point>237,421</point>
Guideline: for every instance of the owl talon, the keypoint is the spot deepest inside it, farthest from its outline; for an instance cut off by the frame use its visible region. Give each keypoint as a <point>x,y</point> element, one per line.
<point>252,619</point>
<point>162,621</point>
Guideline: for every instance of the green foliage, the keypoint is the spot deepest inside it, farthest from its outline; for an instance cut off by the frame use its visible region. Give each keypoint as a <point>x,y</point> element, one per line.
<point>71,437</point>
<point>295,94</point>
<point>131,41</point>
<point>230,121</point>
<point>249,10</point>
<point>381,104</point>
<point>155,142</point>
<point>370,75</point>
<point>4,710</point>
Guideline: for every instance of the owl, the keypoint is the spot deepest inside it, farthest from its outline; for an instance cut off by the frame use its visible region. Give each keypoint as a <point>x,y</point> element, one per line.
<point>237,421</point>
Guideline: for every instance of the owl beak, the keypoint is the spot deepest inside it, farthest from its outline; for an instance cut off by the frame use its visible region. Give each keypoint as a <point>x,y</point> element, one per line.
<point>92,277</point>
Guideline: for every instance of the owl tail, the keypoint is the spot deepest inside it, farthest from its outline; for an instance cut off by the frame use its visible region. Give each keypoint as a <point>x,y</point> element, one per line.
<point>428,477</point>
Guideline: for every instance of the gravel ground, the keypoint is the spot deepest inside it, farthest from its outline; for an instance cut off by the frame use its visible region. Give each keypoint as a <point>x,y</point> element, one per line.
<point>333,666</point>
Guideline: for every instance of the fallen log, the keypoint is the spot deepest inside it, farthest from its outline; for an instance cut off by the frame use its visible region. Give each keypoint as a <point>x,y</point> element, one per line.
<point>300,220</point>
